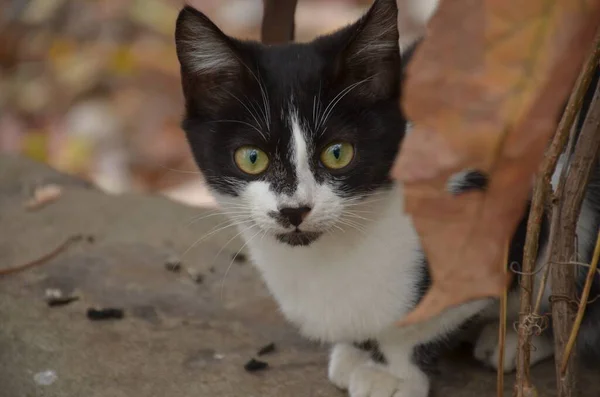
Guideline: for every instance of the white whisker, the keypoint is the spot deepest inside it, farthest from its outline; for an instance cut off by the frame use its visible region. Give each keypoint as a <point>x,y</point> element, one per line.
<point>244,123</point>
<point>336,100</point>
<point>230,240</point>
<point>351,226</point>
<point>233,259</point>
<point>265,94</point>
<point>180,171</point>
<point>212,233</point>
<point>251,114</point>
<point>352,215</point>
<point>217,213</point>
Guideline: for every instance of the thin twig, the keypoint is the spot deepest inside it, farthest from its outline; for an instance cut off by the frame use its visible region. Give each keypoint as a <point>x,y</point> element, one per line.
<point>568,205</point>
<point>278,21</point>
<point>582,305</point>
<point>42,259</point>
<point>554,224</point>
<point>523,385</point>
<point>502,331</point>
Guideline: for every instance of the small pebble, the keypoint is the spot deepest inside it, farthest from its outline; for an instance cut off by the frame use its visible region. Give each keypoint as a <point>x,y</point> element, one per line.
<point>55,297</point>
<point>173,264</point>
<point>195,275</point>
<point>45,378</point>
<point>267,349</point>
<point>61,301</point>
<point>218,356</point>
<point>105,314</point>
<point>43,195</point>
<point>255,365</point>
<point>54,293</point>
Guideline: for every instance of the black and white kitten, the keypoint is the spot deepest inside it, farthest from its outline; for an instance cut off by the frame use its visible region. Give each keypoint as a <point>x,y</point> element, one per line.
<point>296,142</point>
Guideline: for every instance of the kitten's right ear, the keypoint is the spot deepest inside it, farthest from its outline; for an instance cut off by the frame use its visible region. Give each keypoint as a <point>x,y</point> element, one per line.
<point>210,64</point>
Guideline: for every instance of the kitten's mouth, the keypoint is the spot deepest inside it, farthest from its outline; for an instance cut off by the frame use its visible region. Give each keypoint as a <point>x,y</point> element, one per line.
<point>298,238</point>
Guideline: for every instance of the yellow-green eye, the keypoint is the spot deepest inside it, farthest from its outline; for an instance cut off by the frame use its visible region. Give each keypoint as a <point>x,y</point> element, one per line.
<point>251,160</point>
<point>337,155</point>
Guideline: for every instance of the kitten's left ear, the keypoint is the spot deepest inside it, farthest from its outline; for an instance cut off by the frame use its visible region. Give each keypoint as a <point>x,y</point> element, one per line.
<point>211,65</point>
<point>371,58</point>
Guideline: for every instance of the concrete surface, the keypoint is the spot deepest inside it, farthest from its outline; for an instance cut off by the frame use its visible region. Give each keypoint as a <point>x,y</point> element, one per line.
<point>178,338</point>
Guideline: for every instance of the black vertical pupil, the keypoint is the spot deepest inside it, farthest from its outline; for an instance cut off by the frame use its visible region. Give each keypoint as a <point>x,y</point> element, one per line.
<point>337,151</point>
<point>253,156</point>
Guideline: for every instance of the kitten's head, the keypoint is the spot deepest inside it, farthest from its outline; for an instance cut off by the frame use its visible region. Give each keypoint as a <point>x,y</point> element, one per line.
<point>291,137</point>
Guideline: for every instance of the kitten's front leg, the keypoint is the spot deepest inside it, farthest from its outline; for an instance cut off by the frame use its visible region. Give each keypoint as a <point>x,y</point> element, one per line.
<point>344,360</point>
<point>399,376</point>
<point>487,349</point>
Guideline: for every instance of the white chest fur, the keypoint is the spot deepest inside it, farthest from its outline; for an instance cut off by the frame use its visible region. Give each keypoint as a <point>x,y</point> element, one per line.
<point>348,285</point>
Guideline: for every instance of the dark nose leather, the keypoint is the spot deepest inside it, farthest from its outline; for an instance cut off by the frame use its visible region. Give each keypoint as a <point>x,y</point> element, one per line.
<point>295,215</point>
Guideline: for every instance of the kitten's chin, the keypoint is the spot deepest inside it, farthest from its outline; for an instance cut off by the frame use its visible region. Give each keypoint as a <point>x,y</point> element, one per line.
<point>299,238</point>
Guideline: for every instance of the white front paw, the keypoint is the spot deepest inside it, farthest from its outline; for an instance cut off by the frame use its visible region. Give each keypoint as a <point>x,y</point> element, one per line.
<point>373,380</point>
<point>487,349</point>
<point>344,360</point>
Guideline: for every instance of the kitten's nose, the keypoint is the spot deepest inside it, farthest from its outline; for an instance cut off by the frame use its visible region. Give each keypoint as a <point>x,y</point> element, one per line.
<point>295,215</point>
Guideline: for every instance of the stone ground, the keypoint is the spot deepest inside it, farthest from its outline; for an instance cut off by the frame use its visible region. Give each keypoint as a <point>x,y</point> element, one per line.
<point>178,337</point>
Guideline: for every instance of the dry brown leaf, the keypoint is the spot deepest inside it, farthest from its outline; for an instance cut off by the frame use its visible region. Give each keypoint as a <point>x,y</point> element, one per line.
<point>484,91</point>
<point>43,195</point>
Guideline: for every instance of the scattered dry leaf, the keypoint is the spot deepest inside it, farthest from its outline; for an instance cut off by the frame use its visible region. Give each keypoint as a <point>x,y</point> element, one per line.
<point>43,195</point>
<point>484,91</point>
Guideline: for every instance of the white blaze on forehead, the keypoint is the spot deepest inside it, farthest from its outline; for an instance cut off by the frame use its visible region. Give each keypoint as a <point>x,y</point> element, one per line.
<point>300,156</point>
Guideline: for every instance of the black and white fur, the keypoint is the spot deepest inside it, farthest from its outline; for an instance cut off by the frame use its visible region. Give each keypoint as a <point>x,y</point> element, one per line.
<point>353,266</point>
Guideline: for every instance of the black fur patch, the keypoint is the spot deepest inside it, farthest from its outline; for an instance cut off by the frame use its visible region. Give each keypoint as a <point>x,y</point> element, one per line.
<point>474,180</point>
<point>342,87</point>
<point>372,347</point>
<point>298,238</point>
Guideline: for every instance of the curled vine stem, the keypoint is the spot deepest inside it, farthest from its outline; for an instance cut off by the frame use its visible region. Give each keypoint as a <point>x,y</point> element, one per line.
<point>582,305</point>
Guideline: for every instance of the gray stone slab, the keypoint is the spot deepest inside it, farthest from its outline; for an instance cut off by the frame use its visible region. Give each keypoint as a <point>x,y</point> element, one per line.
<point>178,338</point>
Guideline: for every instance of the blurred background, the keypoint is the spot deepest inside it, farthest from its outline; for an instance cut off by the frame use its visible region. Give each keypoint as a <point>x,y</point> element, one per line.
<point>91,87</point>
